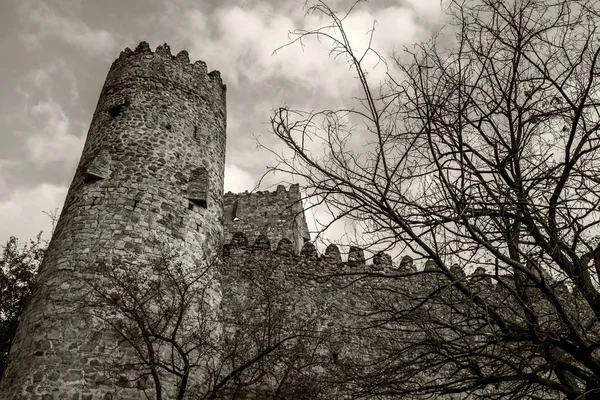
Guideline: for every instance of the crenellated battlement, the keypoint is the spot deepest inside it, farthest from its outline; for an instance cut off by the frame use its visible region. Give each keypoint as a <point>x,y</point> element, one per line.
<point>240,243</point>
<point>247,254</point>
<point>164,71</point>
<point>163,51</point>
<point>331,257</point>
<point>292,191</point>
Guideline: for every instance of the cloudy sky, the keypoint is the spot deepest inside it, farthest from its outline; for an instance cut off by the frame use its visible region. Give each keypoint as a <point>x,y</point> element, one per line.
<point>56,53</point>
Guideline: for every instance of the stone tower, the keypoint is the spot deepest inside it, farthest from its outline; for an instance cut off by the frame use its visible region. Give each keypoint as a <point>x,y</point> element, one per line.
<point>278,215</point>
<point>151,171</point>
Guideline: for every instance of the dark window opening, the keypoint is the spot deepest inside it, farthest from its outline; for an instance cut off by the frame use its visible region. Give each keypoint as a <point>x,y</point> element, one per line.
<point>168,126</point>
<point>195,132</point>
<point>234,212</point>
<point>135,203</point>
<point>198,202</point>
<point>197,227</point>
<point>91,178</point>
<point>190,206</point>
<point>115,111</point>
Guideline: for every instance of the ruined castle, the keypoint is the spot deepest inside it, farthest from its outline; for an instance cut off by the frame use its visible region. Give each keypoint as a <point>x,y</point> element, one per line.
<point>274,320</point>
<point>150,175</point>
<point>150,182</point>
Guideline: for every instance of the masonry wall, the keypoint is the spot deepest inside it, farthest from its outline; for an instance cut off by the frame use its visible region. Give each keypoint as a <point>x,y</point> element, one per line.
<point>344,313</point>
<point>313,296</point>
<point>278,214</point>
<point>150,177</point>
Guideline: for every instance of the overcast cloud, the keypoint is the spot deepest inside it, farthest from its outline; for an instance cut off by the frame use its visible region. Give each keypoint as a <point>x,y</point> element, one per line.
<point>56,54</point>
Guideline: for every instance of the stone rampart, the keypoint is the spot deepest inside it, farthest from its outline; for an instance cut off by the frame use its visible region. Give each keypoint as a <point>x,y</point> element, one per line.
<point>354,314</point>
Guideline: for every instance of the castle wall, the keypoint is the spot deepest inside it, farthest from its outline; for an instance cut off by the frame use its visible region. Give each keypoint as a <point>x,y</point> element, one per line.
<point>150,180</point>
<point>278,214</point>
<point>350,316</point>
<point>317,298</point>
<point>150,177</point>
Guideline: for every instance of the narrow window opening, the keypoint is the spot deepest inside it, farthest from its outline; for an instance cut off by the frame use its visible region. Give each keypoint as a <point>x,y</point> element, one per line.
<point>234,211</point>
<point>198,190</point>
<point>91,178</point>
<point>190,206</point>
<point>98,167</point>
<point>198,202</point>
<point>197,227</point>
<point>195,132</point>
<point>135,203</point>
<point>115,111</point>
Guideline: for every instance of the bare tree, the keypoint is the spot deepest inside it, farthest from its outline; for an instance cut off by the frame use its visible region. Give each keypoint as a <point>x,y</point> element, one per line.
<point>179,335</point>
<point>480,151</point>
<point>163,312</point>
<point>272,300</point>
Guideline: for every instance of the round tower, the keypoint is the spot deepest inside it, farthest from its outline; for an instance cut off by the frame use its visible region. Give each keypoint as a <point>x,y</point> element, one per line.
<point>150,176</point>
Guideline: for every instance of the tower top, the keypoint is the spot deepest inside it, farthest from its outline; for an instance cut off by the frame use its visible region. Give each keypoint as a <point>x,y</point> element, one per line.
<point>161,66</point>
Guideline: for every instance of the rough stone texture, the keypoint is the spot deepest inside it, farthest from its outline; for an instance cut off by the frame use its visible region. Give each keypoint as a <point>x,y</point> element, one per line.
<point>324,299</point>
<point>158,121</point>
<point>278,214</point>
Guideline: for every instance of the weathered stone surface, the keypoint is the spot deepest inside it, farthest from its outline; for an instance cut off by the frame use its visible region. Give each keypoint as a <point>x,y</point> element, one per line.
<point>309,252</point>
<point>406,264</point>
<point>382,259</point>
<point>430,266</point>
<point>239,239</point>
<point>332,254</point>
<point>458,271</point>
<point>285,246</point>
<point>356,256</point>
<point>262,242</point>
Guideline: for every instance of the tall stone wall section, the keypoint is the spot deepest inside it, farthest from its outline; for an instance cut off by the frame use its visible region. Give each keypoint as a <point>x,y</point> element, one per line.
<point>278,214</point>
<point>316,296</point>
<point>150,177</point>
<point>344,310</point>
